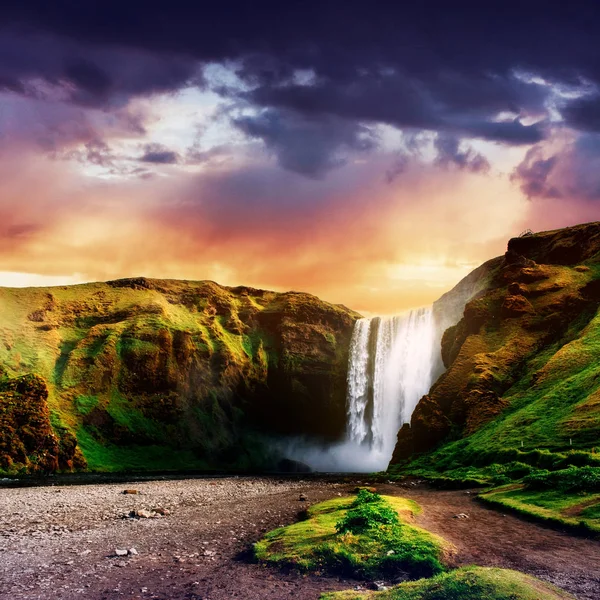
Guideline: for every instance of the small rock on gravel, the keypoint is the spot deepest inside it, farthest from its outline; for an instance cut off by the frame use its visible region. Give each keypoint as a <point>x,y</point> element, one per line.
<point>163,512</point>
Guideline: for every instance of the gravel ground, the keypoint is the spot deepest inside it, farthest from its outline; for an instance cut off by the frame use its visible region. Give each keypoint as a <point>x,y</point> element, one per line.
<point>60,542</point>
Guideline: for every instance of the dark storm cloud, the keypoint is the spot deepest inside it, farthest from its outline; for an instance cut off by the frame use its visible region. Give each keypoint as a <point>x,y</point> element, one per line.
<point>159,154</point>
<point>104,76</point>
<point>533,174</point>
<point>570,171</point>
<point>450,153</point>
<point>583,113</point>
<point>440,102</point>
<point>307,146</point>
<point>437,66</point>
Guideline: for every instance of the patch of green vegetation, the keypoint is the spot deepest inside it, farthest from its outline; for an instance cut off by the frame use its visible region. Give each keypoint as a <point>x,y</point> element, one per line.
<point>85,404</point>
<point>66,347</point>
<point>149,367</point>
<point>573,479</point>
<point>551,507</point>
<point>363,537</point>
<point>367,512</point>
<point>457,465</point>
<point>134,420</point>
<point>109,458</point>
<point>468,583</point>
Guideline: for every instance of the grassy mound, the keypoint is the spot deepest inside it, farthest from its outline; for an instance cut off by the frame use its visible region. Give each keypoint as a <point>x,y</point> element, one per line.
<point>366,536</point>
<point>572,510</point>
<point>465,584</point>
<point>576,468</point>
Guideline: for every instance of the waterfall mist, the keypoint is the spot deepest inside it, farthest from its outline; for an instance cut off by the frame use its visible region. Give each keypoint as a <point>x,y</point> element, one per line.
<point>392,364</point>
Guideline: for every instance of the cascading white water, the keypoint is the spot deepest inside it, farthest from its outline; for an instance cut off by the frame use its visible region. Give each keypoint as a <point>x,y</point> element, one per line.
<point>392,364</point>
<point>391,367</point>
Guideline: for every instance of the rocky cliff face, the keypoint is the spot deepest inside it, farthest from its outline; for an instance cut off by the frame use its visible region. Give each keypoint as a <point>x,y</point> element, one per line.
<point>28,442</point>
<point>522,359</point>
<point>172,374</point>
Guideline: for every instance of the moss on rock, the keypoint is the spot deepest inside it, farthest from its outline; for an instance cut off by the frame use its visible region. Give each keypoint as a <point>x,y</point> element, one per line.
<point>188,366</point>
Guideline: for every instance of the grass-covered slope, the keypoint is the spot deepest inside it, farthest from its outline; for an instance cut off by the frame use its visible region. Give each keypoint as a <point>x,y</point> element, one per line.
<point>365,536</point>
<point>523,373</point>
<point>570,509</point>
<point>465,584</point>
<point>519,402</point>
<point>164,374</point>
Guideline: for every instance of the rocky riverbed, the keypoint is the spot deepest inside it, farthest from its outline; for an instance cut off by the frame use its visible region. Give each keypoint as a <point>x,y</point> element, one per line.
<point>189,539</point>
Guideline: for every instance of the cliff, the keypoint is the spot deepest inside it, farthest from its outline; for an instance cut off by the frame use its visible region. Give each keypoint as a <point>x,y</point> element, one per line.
<point>162,374</point>
<point>522,366</point>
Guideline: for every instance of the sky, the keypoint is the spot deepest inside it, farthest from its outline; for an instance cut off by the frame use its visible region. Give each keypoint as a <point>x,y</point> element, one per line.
<point>370,153</point>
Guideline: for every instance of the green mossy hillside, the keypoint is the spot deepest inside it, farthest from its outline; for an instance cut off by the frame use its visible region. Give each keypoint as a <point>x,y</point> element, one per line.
<point>468,583</point>
<point>161,374</point>
<point>366,536</point>
<point>522,385</point>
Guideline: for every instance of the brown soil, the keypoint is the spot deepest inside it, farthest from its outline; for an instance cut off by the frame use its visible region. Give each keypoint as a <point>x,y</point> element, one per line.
<point>59,542</point>
<point>495,539</point>
<point>574,511</point>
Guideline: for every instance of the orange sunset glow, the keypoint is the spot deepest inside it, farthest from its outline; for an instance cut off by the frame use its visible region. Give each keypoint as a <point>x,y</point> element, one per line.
<point>159,162</point>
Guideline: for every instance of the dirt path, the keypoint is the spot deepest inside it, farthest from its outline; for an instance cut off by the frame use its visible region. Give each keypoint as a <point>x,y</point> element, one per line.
<point>59,542</point>
<point>492,538</point>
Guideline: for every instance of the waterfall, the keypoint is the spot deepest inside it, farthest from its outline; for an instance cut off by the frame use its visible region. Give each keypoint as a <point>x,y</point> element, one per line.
<point>392,363</point>
<point>391,367</point>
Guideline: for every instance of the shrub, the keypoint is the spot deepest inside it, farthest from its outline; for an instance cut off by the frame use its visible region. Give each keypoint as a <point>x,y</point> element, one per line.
<point>365,496</point>
<point>573,479</point>
<point>367,516</point>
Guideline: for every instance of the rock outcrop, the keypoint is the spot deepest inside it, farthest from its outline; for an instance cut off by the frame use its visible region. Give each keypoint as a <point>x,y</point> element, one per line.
<point>27,439</point>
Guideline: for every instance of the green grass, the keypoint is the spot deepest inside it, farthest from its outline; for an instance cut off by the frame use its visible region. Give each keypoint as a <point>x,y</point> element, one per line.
<point>468,583</point>
<point>322,542</point>
<point>84,404</point>
<point>456,465</point>
<point>555,508</point>
<point>134,420</point>
<point>573,479</point>
<point>547,379</point>
<point>108,458</point>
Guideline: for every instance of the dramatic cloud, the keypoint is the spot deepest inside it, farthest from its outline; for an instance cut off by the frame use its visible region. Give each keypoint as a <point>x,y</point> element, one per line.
<point>567,167</point>
<point>308,146</point>
<point>583,113</point>
<point>370,153</point>
<point>159,154</point>
<point>407,66</point>
<point>450,153</point>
